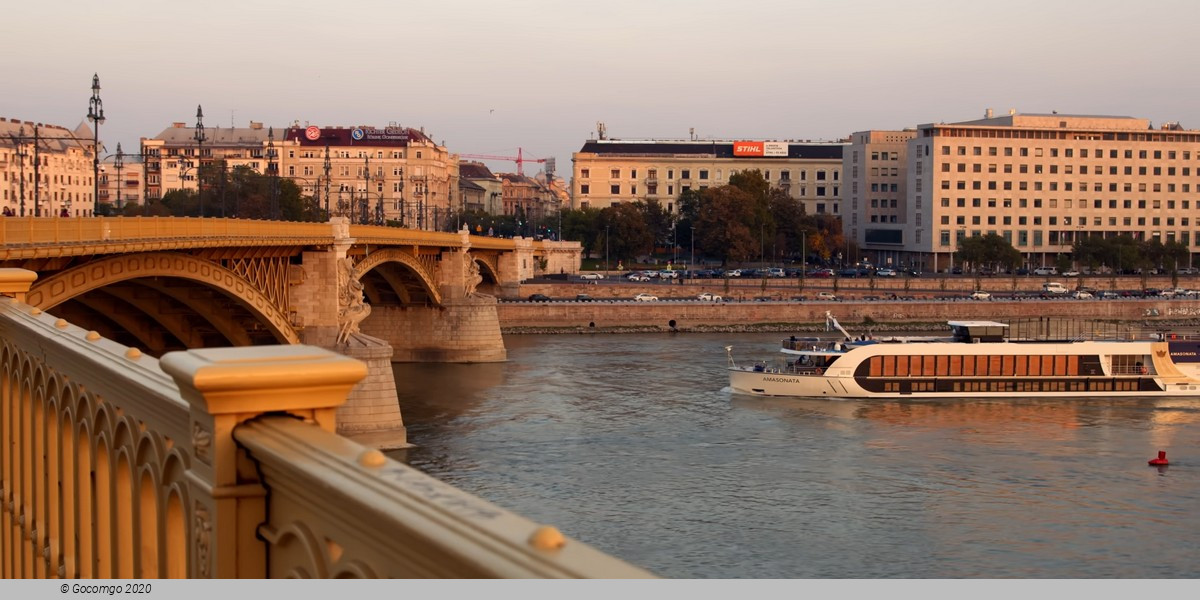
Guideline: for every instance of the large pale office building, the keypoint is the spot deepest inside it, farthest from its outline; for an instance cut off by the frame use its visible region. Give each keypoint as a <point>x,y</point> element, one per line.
<point>608,172</point>
<point>1038,180</point>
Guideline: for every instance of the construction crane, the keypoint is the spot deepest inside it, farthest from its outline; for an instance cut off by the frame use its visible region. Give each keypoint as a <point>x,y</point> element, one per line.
<point>519,159</point>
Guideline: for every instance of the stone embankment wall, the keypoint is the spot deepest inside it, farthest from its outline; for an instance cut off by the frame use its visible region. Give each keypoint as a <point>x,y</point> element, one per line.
<point>698,316</point>
<point>610,310</point>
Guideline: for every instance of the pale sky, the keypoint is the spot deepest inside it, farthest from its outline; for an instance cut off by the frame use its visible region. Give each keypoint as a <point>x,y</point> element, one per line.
<point>487,77</point>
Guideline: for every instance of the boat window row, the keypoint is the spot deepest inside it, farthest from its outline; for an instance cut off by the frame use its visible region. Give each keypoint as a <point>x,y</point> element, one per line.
<point>1007,365</point>
<point>950,386</point>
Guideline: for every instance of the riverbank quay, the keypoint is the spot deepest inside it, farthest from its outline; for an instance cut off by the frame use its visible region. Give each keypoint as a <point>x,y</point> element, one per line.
<point>622,316</point>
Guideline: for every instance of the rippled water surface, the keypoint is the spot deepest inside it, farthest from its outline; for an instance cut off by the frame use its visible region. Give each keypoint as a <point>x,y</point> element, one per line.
<point>635,445</point>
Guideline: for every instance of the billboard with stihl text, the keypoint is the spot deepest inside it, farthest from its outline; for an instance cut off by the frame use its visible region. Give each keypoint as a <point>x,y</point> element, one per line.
<point>760,149</point>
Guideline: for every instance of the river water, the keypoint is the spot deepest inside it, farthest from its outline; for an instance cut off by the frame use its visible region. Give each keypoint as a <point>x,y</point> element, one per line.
<point>634,444</point>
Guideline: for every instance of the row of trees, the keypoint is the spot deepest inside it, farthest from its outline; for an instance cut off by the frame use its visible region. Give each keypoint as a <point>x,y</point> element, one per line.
<point>1121,253</point>
<point>240,192</point>
<point>741,221</point>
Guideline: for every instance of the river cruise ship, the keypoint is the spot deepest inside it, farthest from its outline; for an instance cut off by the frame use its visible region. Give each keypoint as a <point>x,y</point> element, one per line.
<point>977,359</point>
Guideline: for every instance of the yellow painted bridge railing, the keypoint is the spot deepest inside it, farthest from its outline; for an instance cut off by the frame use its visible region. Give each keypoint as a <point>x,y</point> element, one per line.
<point>223,463</point>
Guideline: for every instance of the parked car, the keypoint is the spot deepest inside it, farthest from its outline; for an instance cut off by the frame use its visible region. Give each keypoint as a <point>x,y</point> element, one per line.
<point>668,274</point>
<point>733,273</point>
<point>1082,295</point>
<point>646,298</point>
<point>1046,271</point>
<point>1189,271</point>
<point>583,298</point>
<point>638,277</point>
<point>980,295</point>
<point>707,297</point>
<point>539,298</point>
<point>776,272</point>
<point>885,272</point>
<point>1054,287</point>
<point>826,296</point>
<point>592,276</point>
<point>822,273</point>
<point>1070,273</point>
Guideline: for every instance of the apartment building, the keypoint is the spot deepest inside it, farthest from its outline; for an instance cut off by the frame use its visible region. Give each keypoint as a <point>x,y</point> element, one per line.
<point>173,157</point>
<point>395,171</point>
<point>609,171</point>
<point>45,170</point>
<point>493,188</point>
<point>1043,180</point>
<point>125,185</point>
<point>875,167</point>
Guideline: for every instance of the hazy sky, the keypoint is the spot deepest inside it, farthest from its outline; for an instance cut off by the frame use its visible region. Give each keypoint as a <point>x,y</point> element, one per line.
<point>488,77</point>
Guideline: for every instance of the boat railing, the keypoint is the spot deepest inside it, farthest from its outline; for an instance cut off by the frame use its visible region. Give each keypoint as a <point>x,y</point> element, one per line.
<point>1134,370</point>
<point>808,343</point>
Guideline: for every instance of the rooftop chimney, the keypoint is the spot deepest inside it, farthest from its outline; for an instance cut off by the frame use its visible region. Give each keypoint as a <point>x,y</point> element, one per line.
<point>255,125</point>
<point>987,114</point>
<point>178,125</point>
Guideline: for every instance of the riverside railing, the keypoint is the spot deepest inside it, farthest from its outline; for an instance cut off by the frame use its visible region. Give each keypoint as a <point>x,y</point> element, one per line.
<point>222,463</point>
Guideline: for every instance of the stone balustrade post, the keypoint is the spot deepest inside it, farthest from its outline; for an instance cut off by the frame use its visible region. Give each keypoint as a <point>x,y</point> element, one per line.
<point>225,387</point>
<point>15,283</point>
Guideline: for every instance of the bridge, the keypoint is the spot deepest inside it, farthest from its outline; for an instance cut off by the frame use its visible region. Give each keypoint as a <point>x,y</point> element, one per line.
<point>379,294</point>
<point>221,462</point>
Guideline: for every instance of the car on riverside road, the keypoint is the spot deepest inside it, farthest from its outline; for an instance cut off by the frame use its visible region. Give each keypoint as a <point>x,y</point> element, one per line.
<point>646,298</point>
<point>980,295</point>
<point>707,297</point>
<point>592,276</point>
<point>539,298</point>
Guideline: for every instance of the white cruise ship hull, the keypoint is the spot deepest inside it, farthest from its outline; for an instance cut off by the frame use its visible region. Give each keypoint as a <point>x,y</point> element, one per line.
<point>998,369</point>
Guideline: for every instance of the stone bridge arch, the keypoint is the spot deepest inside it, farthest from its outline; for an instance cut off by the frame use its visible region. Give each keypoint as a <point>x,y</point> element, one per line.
<point>174,292</point>
<point>413,284</point>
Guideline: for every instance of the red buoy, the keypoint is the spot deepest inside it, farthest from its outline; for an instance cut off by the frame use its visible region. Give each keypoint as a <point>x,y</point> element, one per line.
<point>1161,461</point>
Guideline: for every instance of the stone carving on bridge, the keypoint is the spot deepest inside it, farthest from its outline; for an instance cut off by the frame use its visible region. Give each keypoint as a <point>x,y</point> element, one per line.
<point>473,278</point>
<point>351,307</point>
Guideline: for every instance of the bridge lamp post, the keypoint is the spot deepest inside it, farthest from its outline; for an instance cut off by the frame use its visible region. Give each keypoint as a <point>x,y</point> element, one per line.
<point>96,116</point>
<point>273,172</point>
<point>199,137</point>
<point>119,163</point>
<point>21,154</point>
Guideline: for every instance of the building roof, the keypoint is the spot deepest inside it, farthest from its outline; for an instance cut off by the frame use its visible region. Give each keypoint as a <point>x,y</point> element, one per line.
<point>708,148</point>
<point>513,178</point>
<point>359,135</point>
<point>467,184</point>
<point>180,133</point>
<point>474,170</point>
<point>52,138</point>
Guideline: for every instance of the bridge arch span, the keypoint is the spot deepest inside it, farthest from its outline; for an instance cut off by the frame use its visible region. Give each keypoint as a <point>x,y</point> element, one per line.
<point>162,301</point>
<point>394,276</point>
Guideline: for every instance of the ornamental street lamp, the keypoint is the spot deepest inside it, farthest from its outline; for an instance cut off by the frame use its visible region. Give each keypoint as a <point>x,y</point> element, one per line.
<point>199,137</point>
<point>273,172</point>
<point>119,163</point>
<point>21,154</point>
<point>96,116</point>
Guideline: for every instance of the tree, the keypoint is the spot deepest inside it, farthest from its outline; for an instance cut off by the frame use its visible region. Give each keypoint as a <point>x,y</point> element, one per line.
<point>628,236</point>
<point>989,250</point>
<point>582,225</point>
<point>724,217</point>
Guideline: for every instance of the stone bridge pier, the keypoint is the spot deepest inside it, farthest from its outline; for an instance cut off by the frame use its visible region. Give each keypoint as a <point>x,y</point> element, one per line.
<point>394,304</point>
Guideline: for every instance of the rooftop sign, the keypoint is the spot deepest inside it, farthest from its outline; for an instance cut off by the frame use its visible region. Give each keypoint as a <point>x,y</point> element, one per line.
<point>745,148</point>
